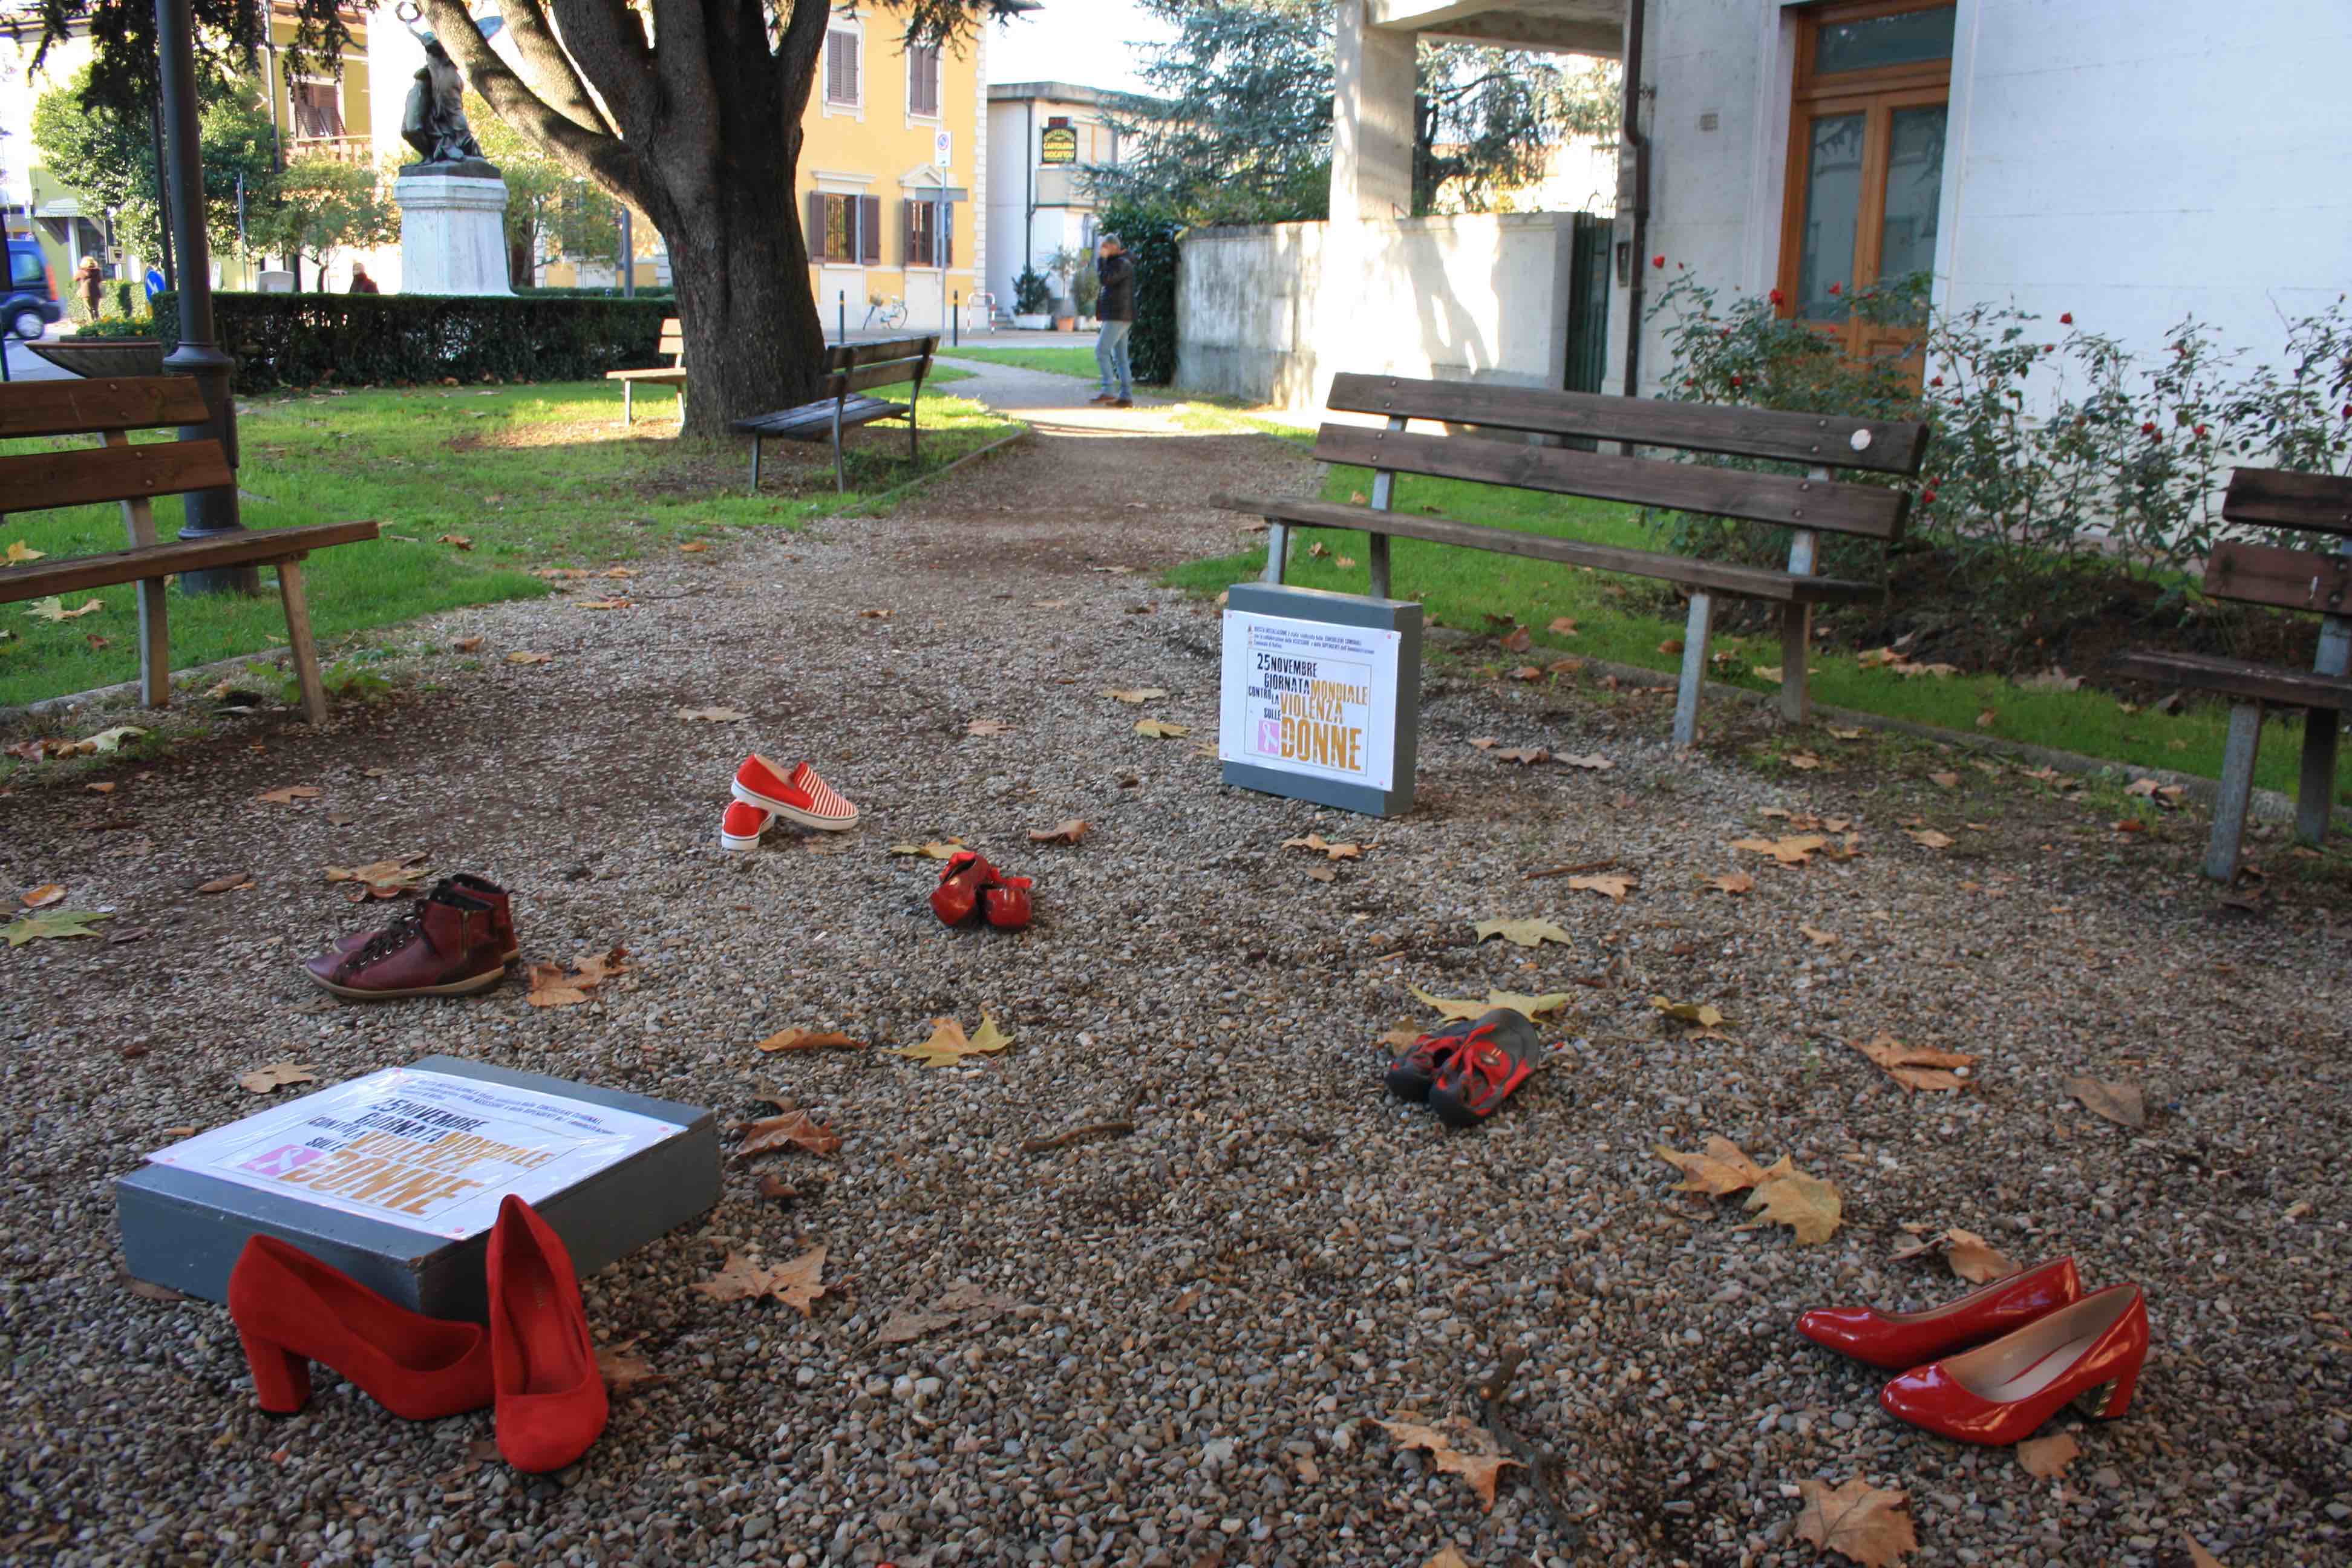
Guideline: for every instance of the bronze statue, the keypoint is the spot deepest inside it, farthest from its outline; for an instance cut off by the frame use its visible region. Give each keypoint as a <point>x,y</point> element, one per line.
<point>433,122</point>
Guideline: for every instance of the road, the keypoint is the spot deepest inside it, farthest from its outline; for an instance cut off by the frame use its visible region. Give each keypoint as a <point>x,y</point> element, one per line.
<point>25,366</point>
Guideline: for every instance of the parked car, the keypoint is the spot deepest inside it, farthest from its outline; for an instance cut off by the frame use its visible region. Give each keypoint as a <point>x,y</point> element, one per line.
<point>30,301</point>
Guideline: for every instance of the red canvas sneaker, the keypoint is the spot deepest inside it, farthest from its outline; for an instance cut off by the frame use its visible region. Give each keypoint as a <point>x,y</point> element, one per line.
<point>1497,1055</point>
<point>477,887</point>
<point>798,796</point>
<point>961,881</point>
<point>1006,903</point>
<point>445,947</point>
<point>741,826</point>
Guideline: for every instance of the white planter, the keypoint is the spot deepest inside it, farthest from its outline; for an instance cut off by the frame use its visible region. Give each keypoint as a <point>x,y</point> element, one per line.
<point>1088,324</point>
<point>1040,322</point>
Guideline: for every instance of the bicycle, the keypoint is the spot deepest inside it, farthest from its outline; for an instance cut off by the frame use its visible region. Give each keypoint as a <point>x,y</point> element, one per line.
<point>889,308</point>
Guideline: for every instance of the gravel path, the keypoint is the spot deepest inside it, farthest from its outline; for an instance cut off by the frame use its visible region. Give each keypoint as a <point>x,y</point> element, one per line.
<point>1208,1310</point>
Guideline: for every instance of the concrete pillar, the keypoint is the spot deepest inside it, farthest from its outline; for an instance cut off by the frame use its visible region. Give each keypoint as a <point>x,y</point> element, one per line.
<point>1371,119</point>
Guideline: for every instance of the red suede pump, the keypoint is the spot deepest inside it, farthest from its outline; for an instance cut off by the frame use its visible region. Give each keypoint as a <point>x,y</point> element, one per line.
<point>551,1397</point>
<point>291,1309</point>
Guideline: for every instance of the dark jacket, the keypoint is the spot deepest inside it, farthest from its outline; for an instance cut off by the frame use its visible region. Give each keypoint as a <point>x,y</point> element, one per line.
<point>1117,275</point>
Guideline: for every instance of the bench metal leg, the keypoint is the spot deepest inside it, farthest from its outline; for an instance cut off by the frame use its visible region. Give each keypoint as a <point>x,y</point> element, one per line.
<point>840,474</point>
<point>297,636</point>
<point>1277,550</point>
<point>2315,797</point>
<point>154,646</point>
<point>681,408</point>
<point>1796,645</point>
<point>1694,637</point>
<point>1376,554</point>
<point>755,462</point>
<point>2237,789</point>
<point>628,401</point>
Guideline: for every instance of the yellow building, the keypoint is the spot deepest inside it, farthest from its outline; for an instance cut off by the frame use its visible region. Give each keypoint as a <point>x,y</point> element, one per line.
<point>894,172</point>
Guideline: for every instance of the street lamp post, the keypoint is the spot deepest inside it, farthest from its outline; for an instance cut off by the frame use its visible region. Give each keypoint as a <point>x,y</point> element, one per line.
<point>212,512</point>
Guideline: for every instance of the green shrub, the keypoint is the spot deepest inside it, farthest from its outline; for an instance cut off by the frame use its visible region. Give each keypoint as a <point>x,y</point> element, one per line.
<point>1032,293</point>
<point>645,292</point>
<point>282,341</point>
<point>1150,234</point>
<point>140,326</point>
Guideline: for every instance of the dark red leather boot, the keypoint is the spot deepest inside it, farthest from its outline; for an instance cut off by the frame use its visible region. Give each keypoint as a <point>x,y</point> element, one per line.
<point>447,946</point>
<point>481,888</point>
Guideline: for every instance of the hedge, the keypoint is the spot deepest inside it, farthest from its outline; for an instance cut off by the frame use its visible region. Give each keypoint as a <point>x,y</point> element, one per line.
<point>281,341</point>
<point>1149,236</point>
<point>610,292</point>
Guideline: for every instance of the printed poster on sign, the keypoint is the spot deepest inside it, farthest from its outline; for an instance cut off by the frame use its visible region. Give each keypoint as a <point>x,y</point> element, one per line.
<point>1309,697</point>
<point>420,1149</point>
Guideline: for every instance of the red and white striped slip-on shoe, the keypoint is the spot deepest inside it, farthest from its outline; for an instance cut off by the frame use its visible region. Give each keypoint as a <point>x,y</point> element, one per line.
<point>742,826</point>
<point>797,796</point>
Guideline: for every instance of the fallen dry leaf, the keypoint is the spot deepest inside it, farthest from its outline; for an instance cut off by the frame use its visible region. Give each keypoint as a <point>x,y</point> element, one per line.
<point>1134,694</point>
<point>560,574</point>
<point>791,1128</point>
<point>608,603</point>
<point>1322,874</point>
<point>934,850</point>
<point>235,882</point>
<point>1857,1520</point>
<point>101,787</point>
<point>1916,1067</point>
<point>1819,936</point>
<point>966,1306</point>
<point>1805,761</point>
<point>1069,832</point>
<point>2054,678</point>
<point>1732,882</point>
<point>1522,755</point>
<point>1455,1448</point>
<point>1987,718</point>
<point>551,988</point>
<point>1719,1168</point>
<point>1976,1261</point>
<point>1463,1008</point>
<point>1845,734</point>
<point>460,540</point>
<point>19,552</point>
<point>1797,849</point>
<point>465,645</point>
<point>695,548</point>
<point>1517,641</point>
<point>713,715</point>
<point>1565,626</point>
<point>1529,932</point>
<point>1526,672</point>
<point>2198,1556</point>
<point>1945,781</point>
<point>53,608</point>
<point>275,1075</point>
<point>1313,841</point>
<point>2047,1458</point>
<point>1672,645</point>
<point>289,794</point>
<point>382,878</point>
<point>1612,888</point>
<point>796,1284</point>
<point>51,924</point>
<point>1807,1205</point>
<point>1927,838</point>
<point>42,897</point>
<point>1160,729</point>
<point>1705,1015</point>
<point>2113,1100</point>
<point>623,1372</point>
<point>947,1047</point>
<point>988,727</point>
<point>810,1040</point>
<point>530,658</point>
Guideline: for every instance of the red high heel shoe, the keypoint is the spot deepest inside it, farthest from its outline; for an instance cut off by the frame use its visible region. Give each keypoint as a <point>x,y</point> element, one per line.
<point>1899,1340</point>
<point>1006,903</point>
<point>1997,1393</point>
<point>551,1397</point>
<point>961,880</point>
<point>291,1309</point>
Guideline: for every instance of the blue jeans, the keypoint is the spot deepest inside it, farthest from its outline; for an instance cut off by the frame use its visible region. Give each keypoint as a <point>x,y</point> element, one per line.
<point>1110,353</point>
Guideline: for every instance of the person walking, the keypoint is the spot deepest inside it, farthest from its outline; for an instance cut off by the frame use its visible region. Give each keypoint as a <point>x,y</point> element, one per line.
<point>87,284</point>
<point>1115,309</point>
<point>360,282</point>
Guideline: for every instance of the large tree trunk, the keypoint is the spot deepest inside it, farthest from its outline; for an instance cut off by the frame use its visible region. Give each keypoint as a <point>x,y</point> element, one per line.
<point>754,341</point>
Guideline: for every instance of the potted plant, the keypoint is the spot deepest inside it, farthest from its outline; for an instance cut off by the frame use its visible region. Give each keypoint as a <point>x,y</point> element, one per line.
<point>1064,264</point>
<point>1032,296</point>
<point>1086,287</point>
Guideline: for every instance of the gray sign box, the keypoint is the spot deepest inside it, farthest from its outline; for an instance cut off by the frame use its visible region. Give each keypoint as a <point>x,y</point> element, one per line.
<point>186,1230</point>
<point>1402,616</point>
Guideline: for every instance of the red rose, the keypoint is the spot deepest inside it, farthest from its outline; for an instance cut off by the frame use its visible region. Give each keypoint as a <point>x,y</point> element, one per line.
<point>2049,348</point>
<point>2200,430</point>
<point>2067,319</point>
<point>1736,381</point>
<point>1936,380</point>
<point>1779,297</point>
<point>1837,287</point>
<point>1690,381</point>
<point>1657,261</point>
<point>1927,495</point>
<point>2147,427</point>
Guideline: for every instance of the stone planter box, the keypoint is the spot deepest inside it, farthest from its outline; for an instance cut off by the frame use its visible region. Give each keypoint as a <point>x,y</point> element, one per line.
<point>102,359</point>
<point>1038,323</point>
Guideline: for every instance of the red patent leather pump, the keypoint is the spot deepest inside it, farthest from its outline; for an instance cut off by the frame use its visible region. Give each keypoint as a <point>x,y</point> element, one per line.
<point>291,1309</point>
<point>1900,1340</point>
<point>551,1397</point>
<point>2090,1354</point>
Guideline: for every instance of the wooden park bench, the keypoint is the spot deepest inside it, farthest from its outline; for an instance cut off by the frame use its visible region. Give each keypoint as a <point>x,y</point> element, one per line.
<point>673,343</point>
<point>849,370</point>
<point>1806,505</point>
<point>2286,579</point>
<point>134,476</point>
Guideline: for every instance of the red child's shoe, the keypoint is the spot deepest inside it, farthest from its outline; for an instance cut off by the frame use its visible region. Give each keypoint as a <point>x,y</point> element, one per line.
<point>961,880</point>
<point>798,796</point>
<point>1006,903</point>
<point>1899,1340</point>
<point>740,826</point>
<point>291,1309</point>
<point>1411,1075</point>
<point>1496,1057</point>
<point>1999,1393</point>
<point>551,1397</point>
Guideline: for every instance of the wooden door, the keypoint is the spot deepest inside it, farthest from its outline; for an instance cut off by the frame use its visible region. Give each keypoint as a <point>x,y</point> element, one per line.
<point>1865,165</point>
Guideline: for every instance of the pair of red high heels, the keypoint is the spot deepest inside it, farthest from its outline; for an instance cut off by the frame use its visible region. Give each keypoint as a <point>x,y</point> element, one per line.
<point>2027,1345</point>
<point>968,883</point>
<point>535,1362</point>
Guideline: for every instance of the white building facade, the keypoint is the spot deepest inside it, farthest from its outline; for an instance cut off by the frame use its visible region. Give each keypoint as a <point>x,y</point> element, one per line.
<point>1042,138</point>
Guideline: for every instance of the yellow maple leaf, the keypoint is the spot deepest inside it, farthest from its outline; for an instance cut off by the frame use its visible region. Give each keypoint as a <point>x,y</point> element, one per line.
<point>947,1045</point>
<point>1807,1205</point>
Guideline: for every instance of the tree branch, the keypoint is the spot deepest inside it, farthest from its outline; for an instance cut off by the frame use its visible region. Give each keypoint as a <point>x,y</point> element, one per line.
<point>549,72</point>
<point>607,159</point>
<point>607,41</point>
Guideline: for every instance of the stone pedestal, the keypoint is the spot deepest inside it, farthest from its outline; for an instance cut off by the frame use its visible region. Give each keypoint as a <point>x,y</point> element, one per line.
<point>453,236</point>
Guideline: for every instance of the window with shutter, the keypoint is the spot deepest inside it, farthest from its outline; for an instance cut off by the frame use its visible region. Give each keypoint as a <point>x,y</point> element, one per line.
<point>841,66</point>
<point>923,83</point>
<point>869,229</point>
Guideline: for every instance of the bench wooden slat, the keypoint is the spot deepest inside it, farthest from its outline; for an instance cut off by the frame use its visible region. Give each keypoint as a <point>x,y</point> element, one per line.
<point>122,403</point>
<point>36,482</point>
<point>39,579</point>
<point>813,421</point>
<point>888,373</point>
<point>2272,497</point>
<point>2289,579</point>
<point>845,356</point>
<point>1742,582</point>
<point>1895,446</point>
<point>673,375</point>
<point>2241,678</point>
<point>1864,509</point>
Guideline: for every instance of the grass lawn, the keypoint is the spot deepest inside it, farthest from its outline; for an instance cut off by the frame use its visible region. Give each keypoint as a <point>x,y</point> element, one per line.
<point>531,476</point>
<point>1627,619</point>
<point>1078,359</point>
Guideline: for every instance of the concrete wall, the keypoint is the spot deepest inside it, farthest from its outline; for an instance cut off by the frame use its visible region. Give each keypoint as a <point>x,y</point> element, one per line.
<point>1272,313</point>
<point>2103,158</point>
